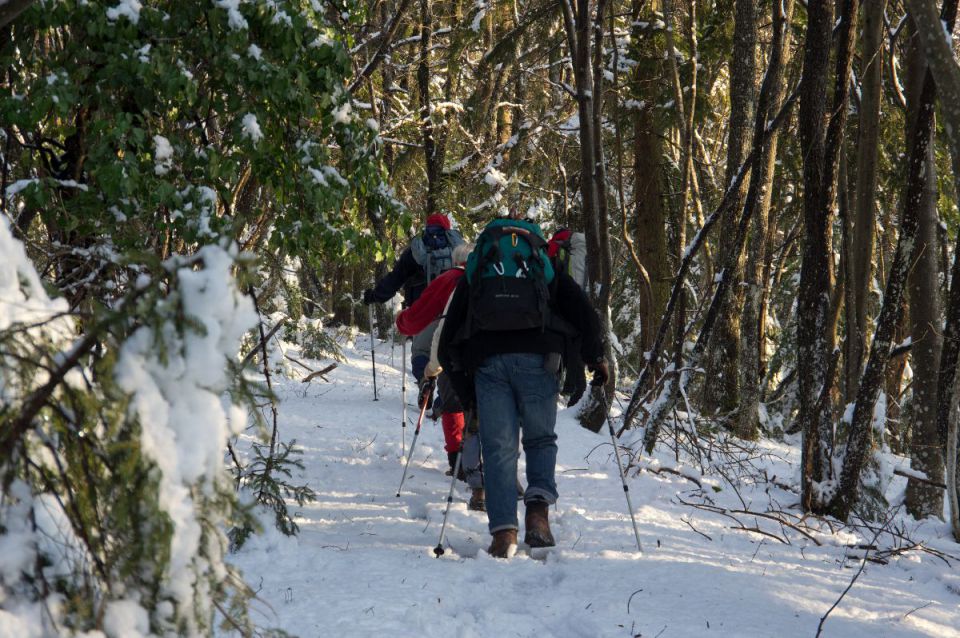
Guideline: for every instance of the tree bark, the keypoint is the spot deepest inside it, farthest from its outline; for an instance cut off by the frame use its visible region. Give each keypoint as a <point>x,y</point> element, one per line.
<point>721,387</point>
<point>431,156</point>
<point>940,58</point>
<point>813,293</point>
<point>580,19</point>
<point>751,337</point>
<point>649,217</point>
<point>922,499</point>
<point>859,441</point>
<point>865,207</point>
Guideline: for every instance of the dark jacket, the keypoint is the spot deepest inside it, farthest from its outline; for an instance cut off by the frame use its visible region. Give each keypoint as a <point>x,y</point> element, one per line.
<point>406,274</point>
<point>460,355</point>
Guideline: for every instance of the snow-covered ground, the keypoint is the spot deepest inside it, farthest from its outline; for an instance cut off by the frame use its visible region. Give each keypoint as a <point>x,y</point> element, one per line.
<point>363,563</point>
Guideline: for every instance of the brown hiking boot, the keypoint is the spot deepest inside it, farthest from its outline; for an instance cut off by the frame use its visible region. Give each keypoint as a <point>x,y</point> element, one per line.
<point>537,525</point>
<point>478,501</point>
<point>504,544</point>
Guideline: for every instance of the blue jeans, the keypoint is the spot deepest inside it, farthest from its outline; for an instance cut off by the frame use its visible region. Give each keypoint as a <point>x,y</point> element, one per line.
<point>514,389</point>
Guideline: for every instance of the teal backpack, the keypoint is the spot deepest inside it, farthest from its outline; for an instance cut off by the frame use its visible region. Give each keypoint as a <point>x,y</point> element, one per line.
<point>509,275</point>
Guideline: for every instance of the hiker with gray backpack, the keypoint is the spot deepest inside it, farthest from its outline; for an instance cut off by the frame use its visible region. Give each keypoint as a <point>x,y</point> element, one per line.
<point>511,322</point>
<point>429,254</point>
<point>567,250</point>
<point>425,319</point>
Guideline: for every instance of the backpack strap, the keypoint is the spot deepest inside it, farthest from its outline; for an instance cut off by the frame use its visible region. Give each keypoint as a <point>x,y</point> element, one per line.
<point>538,244</point>
<point>489,255</point>
<point>536,241</point>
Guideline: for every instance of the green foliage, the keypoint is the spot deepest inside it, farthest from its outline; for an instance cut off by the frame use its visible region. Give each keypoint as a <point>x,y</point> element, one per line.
<point>267,478</point>
<point>185,127</point>
<point>83,461</point>
<point>317,343</point>
<point>134,139</point>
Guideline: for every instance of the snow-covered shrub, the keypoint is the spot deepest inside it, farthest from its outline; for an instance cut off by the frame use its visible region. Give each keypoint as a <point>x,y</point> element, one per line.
<point>159,147</point>
<point>317,343</point>
<point>115,495</point>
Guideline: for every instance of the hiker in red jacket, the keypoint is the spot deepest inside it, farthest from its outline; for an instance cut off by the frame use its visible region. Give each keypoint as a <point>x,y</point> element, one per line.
<point>424,318</point>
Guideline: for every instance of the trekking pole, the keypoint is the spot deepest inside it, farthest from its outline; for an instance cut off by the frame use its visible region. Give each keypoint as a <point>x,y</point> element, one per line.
<point>623,479</point>
<point>393,344</point>
<point>373,356</point>
<point>413,444</point>
<point>403,398</point>
<point>438,550</point>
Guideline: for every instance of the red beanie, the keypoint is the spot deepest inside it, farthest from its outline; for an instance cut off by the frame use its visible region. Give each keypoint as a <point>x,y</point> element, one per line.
<point>439,219</point>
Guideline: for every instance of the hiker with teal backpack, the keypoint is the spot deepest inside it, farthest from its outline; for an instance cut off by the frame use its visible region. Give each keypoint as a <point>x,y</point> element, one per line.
<point>511,321</point>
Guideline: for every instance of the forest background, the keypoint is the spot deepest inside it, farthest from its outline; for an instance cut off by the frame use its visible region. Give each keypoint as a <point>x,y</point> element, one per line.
<point>768,191</point>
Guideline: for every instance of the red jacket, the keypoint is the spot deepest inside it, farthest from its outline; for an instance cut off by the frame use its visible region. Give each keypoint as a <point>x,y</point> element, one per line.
<point>429,305</point>
<point>553,246</point>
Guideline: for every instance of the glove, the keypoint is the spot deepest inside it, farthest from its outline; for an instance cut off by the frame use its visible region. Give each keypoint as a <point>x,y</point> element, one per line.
<point>368,296</point>
<point>426,391</point>
<point>601,374</point>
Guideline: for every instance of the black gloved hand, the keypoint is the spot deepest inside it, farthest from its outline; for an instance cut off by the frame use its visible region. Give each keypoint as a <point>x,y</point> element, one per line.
<point>368,296</point>
<point>425,395</point>
<point>601,374</point>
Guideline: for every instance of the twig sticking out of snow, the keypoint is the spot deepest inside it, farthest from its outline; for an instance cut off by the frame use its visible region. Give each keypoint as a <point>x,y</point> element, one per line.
<point>853,580</point>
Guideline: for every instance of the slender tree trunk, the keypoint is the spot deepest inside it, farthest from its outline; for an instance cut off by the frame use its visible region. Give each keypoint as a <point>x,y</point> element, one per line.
<point>820,149</point>
<point>940,57</point>
<point>722,362</point>
<point>922,499</point>
<point>864,221</point>
<point>577,22</point>
<point>649,219</point>
<point>758,198</point>
<point>952,475</point>
<point>687,115</point>
<point>859,441</point>
<point>601,222</point>
<point>580,20</point>
<point>426,115</point>
<point>813,293</point>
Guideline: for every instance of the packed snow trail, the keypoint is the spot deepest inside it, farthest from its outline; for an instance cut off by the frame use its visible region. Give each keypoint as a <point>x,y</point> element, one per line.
<point>363,562</point>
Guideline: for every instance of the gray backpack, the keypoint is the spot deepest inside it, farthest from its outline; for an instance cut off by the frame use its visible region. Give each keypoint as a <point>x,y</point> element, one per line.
<point>433,250</point>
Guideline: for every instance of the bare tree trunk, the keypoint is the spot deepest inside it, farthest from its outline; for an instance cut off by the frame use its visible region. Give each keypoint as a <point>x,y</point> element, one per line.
<point>864,222</point>
<point>758,198</point>
<point>859,441</point>
<point>649,218</point>
<point>426,115</point>
<point>940,57</point>
<point>577,22</point>
<point>721,387</point>
<point>953,480</point>
<point>814,290</point>
<point>923,499</point>
<point>580,19</point>
<point>601,221</point>
<point>684,123</point>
